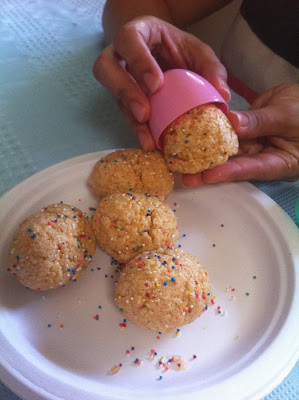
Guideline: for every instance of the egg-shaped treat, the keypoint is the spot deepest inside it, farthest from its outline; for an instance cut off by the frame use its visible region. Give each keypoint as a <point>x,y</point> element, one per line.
<point>132,170</point>
<point>51,248</point>
<point>163,290</point>
<point>199,140</point>
<point>188,122</point>
<point>126,224</point>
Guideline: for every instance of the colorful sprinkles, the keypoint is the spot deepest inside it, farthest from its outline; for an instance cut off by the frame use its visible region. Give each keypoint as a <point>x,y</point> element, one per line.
<point>165,363</point>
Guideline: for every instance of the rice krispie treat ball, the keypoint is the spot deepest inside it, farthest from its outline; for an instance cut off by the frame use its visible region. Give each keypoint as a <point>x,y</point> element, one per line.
<point>163,290</point>
<point>52,247</point>
<point>132,169</point>
<point>199,140</point>
<point>126,224</point>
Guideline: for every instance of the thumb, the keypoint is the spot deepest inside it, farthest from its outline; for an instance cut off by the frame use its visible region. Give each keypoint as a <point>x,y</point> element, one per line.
<point>255,123</point>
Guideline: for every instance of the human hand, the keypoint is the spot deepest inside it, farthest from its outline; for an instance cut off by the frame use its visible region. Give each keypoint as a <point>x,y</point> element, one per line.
<point>131,67</point>
<point>269,141</point>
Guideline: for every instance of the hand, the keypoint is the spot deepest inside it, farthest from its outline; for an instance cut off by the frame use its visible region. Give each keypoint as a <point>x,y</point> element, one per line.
<point>269,141</point>
<point>131,67</point>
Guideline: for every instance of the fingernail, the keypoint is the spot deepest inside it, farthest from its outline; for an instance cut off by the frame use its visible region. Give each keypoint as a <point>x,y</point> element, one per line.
<point>138,110</point>
<point>145,140</point>
<point>225,88</point>
<point>243,119</point>
<point>188,181</point>
<point>151,82</point>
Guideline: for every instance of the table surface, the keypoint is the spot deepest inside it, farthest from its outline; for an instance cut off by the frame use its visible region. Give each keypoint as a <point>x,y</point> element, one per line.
<point>52,109</point>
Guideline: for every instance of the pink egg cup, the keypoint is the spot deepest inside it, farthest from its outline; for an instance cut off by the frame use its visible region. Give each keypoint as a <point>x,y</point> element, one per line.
<point>182,91</point>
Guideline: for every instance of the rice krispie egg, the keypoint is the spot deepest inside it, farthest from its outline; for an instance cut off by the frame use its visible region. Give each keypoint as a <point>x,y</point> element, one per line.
<point>163,290</point>
<point>52,247</point>
<point>126,224</point>
<point>199,140</point>
<point>132,169</point>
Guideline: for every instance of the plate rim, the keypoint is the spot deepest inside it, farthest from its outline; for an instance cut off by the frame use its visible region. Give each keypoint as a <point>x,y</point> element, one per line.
<point>281,219</point>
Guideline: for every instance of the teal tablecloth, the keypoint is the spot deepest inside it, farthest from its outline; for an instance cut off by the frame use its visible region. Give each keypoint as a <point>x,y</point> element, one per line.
<point>51,107</point>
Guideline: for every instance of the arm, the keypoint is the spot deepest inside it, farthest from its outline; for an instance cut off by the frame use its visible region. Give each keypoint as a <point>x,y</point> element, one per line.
<point>146,41</point>
<point>179,13</point>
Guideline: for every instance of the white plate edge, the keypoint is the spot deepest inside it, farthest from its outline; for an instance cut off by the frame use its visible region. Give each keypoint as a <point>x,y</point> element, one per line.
<point>278,215</point>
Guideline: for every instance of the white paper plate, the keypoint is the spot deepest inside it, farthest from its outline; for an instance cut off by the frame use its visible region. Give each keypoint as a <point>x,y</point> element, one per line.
<point>243,352</point>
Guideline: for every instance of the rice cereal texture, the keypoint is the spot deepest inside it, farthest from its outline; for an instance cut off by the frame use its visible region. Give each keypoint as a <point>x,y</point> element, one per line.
<point>163,290</point>
<point>52,247</point>
<point>199,140</point>
<point>126,224</point>
<point>132,169</point>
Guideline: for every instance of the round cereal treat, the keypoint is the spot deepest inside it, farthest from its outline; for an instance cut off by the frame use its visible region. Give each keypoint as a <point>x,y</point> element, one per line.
<point>126,224</point>
<point>52,247</point>
<point>163,290</point>
<point>132,169</point>
<point>199,140</point>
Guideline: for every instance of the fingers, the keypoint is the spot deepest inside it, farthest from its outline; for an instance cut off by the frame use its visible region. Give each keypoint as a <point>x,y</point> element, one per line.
<point>205,62</point>
<point>142,131</point>
<point>273,122</point>
<point>115,78</point>
<point>256,123</point>
<point>133,43</point>
<point>131,99</point>
<point>130,48</point>
<point>275,112</point>
<point>271,165</point>
<point>192,180</point>
<point>174,48</point>
<point>128,69</point>
<point>144,136</point>
<point>266,97</point>
<point>215,73</point>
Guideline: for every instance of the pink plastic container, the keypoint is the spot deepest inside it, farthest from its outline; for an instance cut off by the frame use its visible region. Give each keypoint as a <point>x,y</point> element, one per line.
<point>182,91</point>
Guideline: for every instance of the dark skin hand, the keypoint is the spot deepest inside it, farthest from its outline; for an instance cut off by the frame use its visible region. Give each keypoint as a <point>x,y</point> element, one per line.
<point>132,66</point>
<point>147,46</point>
<point>269,141</point>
